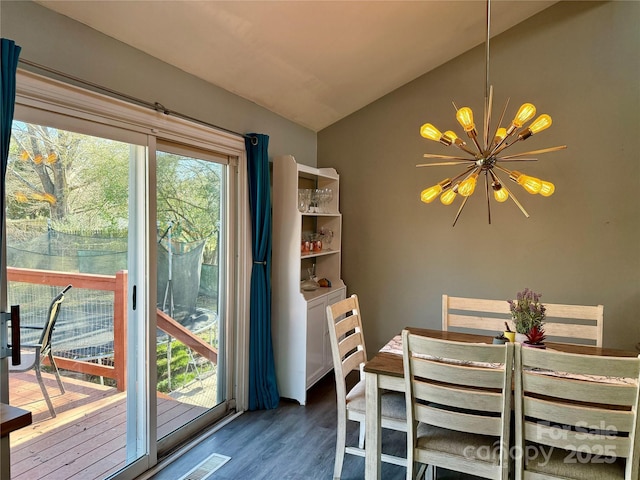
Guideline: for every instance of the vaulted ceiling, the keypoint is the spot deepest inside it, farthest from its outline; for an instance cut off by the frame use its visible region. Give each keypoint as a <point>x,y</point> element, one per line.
<point>312,62</point>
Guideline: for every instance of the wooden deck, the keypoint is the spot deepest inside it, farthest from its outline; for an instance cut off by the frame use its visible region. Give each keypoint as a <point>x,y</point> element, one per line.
<point>86,440</point>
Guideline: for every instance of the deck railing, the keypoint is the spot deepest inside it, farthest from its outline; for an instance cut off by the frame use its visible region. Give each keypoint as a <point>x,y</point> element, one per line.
<point>115,283</point>
<point>118,285</point>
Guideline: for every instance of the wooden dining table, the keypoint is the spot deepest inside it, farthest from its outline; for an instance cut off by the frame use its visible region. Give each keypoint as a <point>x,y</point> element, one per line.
<point>385,372</point>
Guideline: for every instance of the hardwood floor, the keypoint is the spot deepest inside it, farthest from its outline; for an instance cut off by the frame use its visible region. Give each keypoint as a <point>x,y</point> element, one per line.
<point>290,443</point>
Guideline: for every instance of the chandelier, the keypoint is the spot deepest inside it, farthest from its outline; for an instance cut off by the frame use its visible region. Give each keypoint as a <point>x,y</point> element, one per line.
<point>486,158</point>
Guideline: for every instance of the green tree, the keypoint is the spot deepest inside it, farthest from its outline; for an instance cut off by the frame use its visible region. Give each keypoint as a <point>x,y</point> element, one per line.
<point>67,177</point>
<point>189,196</point>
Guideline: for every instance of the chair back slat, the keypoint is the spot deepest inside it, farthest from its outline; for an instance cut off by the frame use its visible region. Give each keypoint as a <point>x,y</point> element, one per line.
<point>571,389</point>
<point>459,421</point>
<point>547,359</point>
<point>572,414</point>
<point>349,343</point>
<point>353,362</point>
<point>458,374</point>
<point>346,325</point>
<point>581,441</point>
<point>488,401</point>
<point>578,323</point>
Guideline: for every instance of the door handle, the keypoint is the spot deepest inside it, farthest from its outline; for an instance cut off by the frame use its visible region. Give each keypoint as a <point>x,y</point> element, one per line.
<point>15,335</point>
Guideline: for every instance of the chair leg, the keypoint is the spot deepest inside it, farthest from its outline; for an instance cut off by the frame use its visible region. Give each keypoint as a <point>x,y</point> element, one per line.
<point>361,435</point>
<point>430,473</point>
<point>57,372</point>
<point>341,442</point>
<point>45,394</point>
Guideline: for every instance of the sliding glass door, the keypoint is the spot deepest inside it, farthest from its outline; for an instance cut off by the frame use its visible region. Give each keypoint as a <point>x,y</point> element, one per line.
<point>74,225</point>
<point>192,228</point>
<point>145,218</point>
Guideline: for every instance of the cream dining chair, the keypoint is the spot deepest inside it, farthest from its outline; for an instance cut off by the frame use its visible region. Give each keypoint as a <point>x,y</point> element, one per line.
<point>578,323</point>
<point>573,419</point>
<point>349,354</point>
<point>458,399</point>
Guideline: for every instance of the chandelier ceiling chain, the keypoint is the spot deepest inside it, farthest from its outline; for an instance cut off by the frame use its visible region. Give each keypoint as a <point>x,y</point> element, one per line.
<point>486,156</point>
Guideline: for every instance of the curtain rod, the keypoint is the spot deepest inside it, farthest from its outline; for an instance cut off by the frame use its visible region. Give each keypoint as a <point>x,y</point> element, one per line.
<point>157,106</point>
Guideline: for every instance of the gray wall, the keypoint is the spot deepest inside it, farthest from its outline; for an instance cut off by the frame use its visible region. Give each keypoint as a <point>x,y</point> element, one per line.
<point>68,46</point>
<point>578,62</point>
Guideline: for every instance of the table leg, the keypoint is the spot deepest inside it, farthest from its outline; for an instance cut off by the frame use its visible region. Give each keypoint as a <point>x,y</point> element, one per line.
<point>373,443</point>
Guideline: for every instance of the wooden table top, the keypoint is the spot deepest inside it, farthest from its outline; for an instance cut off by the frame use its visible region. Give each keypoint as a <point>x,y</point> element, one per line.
<point>13,418</point>
<point>391,364</point>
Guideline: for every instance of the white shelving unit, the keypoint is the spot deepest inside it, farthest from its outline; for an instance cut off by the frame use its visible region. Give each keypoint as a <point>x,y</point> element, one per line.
<point>299,324</point>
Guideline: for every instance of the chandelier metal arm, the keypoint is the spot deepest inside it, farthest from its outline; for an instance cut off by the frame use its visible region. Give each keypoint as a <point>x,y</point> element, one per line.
<point>516,159</point>
<point>486,184</point>
<point>442,164</point>
<point>534,152</point>
<point>515,200</point>
<point>511,195</point>
<point>504,111</point>
<point>465,173</point>
<point>508,172</point>
<point>464,148</point>
<point>447,157</point>
<point>464,202</point>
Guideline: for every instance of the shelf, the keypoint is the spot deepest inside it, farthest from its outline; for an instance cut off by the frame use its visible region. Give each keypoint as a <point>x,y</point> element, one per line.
<point>319,254</point>
<point>310,214</point>
<point>313,294</point>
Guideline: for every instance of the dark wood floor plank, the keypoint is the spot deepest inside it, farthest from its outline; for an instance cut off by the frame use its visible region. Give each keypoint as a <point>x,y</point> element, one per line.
<point>291,443</point>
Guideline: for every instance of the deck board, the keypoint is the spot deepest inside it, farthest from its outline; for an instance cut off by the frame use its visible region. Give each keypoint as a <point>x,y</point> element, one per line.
<point>86,440</point>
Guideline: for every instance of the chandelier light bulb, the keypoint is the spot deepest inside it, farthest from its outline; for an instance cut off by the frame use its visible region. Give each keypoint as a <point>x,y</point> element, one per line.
<point>547,189</point>
<point>500,134</point>
<point>501,195</point>
<point>451,135</point>
<point>541,123</point>
<point>465,118</point>
<point>499,192</point>
<point>525,113</point>
<point>428,195</point>
<point>532,185</point>
<point>448,197</point>
<point>468,185</point>
<point>429,131</point>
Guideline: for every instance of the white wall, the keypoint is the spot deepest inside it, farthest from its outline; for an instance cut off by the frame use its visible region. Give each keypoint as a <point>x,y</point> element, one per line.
<point>578,62</point>
<point>58,42</point>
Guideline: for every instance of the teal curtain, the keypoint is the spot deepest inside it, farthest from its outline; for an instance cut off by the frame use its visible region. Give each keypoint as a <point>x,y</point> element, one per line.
<point>9,53</point>
<point>263,388</point>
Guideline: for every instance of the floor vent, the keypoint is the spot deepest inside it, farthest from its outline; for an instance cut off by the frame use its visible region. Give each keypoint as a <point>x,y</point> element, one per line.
<point>206,468</point>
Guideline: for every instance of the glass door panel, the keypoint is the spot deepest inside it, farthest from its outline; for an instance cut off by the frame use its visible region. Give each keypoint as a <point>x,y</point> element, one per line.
<point>68,223</point>
<point>191,228</point>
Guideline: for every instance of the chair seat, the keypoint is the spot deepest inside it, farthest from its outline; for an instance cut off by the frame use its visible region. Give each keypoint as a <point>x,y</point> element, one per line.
<point>479,448</point>
<point>393,404</point>
<point>569,465</point>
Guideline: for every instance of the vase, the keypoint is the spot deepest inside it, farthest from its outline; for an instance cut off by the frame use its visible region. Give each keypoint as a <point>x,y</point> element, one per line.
<point>521,338</point>
<point>534,345</point>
